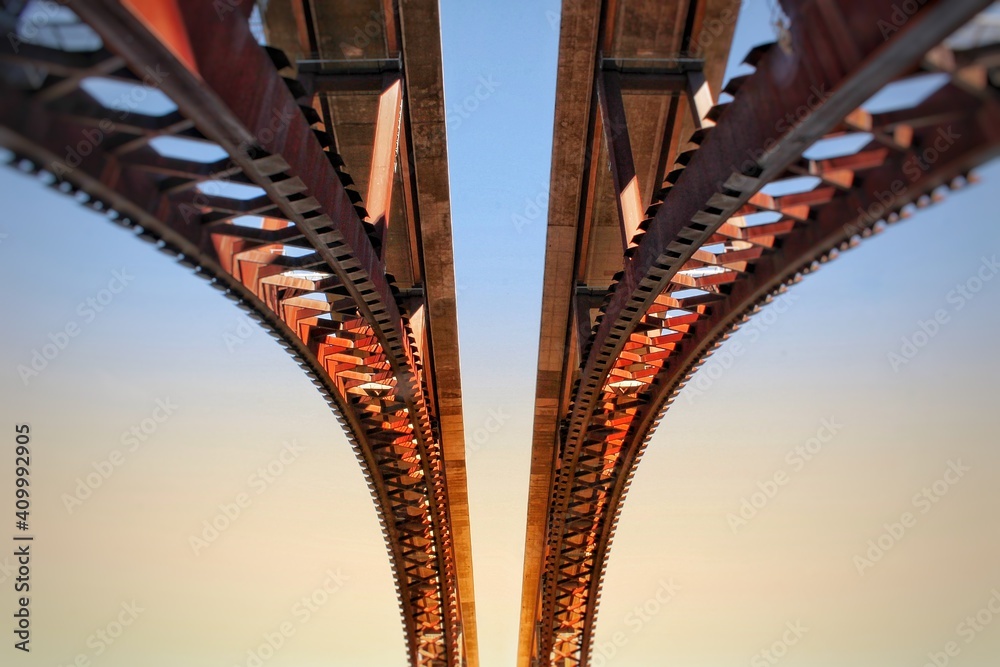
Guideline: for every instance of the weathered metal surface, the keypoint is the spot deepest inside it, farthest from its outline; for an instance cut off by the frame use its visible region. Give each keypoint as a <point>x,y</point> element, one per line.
<point>305,263</point>
<point>699,263</point>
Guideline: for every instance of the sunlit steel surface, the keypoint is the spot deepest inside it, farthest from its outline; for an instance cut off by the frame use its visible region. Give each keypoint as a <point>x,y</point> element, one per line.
<point>171,118</point>
<point>661,241</point>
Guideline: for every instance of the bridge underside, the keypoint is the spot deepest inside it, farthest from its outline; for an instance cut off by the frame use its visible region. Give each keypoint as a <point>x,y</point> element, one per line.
<point>673,219</point>
<point>308,183</point>
<point>289,183</point>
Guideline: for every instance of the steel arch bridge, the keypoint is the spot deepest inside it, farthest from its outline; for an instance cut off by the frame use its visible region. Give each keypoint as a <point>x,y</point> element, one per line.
<point>665,230</point>
<point>358,287</point>
<point>661,242</point>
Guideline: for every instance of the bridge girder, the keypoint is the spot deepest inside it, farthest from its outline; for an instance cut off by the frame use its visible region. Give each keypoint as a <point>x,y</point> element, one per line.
<point>311,268</point>
<point>699,262</point>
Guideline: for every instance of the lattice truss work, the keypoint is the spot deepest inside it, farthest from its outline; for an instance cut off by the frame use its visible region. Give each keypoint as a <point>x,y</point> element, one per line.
<point>200,147</point>
<point>714,249</point>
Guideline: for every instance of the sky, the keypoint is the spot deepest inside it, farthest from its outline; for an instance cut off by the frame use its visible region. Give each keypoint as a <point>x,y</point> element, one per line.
<point>745,536</point>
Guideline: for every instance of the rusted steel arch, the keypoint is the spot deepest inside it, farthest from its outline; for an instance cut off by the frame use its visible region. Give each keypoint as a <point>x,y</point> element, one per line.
<point>698,265</point>
<point>585,240</point>
<point>310,270</point>
<point>801,250</point>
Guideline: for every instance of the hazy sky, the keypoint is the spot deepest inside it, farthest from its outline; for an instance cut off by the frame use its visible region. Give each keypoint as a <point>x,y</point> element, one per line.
<point>688,584</point>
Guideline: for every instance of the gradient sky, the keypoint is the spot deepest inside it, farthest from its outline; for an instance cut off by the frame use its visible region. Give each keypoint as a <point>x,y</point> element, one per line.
<point>239,399</point>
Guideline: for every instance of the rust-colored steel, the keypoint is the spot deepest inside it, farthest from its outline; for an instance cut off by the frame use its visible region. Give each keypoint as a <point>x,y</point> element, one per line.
<point>702,262</point>
<point>628,198</point>
<point>307,269</point>
<point>384,155</point>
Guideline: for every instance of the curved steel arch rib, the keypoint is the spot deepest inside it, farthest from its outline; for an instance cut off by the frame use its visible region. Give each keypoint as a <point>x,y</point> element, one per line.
<point>310,272</point>
<point>700,263</point>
